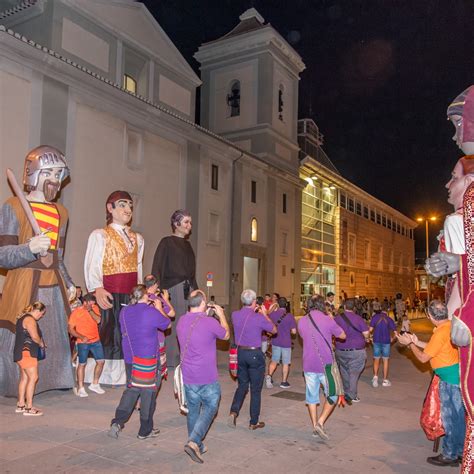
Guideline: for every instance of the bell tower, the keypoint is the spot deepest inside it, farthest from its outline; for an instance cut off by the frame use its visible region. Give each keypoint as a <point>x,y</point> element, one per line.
<point>250,90</point>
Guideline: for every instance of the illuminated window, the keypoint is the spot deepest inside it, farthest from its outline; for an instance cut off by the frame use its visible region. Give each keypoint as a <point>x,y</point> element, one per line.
<point>254,230</point>
<point>129,83</point>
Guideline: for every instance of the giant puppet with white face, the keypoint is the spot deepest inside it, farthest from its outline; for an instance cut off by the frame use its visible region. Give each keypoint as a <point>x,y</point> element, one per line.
<point>456,256</point>
<point>112,267</point>
<point>32,235</point>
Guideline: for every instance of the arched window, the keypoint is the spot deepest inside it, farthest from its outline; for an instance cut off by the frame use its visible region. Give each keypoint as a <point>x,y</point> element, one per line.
<point>129,84</point>
<point>233,99</point>
<point>281,91</point>
<point>254,230</point>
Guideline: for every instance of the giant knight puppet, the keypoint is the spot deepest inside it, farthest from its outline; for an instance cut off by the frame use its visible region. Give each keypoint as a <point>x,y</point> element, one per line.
<point>456,257</point>
<point>112,267</point>
<point>32,233</point>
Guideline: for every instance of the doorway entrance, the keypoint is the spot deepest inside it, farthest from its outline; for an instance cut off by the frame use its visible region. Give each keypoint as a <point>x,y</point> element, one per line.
<point>251,274</point>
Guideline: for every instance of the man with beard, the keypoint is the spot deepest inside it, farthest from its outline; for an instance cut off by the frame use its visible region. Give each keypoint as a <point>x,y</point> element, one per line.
<point>174,265</point>
<point>36,270</point>
<point>456,257</point>
<point>112,267</point>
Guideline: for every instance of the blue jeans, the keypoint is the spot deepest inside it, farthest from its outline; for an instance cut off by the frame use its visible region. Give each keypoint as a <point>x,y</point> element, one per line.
<point>251,372</point>
<point>453,417</point>
<point>95,348</point>
<point>203,401</point>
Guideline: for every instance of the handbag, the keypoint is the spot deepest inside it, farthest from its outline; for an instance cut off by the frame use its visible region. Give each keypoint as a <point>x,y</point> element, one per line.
<point>178,383</point>
<point>163,364</point>
<point>430,417</point>
<point>144,369</point>
<point>41,353</point>
<point>331,371</point>
<point>233,353</point>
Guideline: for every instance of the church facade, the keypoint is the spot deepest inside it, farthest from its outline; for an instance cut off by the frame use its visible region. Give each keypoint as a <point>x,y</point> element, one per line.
<point>103,82</point>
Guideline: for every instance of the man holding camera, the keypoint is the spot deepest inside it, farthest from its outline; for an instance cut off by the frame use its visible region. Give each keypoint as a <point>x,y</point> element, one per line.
<point>197,332</point>
<point>249,323</point>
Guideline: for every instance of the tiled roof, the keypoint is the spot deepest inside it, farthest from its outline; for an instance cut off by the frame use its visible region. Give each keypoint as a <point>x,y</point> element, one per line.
<point>18,8</point>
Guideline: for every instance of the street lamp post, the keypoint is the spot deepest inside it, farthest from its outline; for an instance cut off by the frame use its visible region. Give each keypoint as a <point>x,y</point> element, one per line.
<point>427,220</point>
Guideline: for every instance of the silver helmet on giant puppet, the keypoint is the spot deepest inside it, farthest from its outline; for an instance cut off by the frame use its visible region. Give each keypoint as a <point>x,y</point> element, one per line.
<point>41,158</point>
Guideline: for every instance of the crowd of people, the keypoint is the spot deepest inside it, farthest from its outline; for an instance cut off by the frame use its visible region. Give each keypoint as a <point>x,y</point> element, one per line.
<point>135,332</point>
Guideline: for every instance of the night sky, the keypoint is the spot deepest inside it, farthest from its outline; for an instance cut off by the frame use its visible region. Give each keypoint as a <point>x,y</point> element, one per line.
<point>379,77</point>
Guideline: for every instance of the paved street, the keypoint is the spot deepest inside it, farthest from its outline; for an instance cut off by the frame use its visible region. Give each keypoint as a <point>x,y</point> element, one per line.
<point>380,434</point>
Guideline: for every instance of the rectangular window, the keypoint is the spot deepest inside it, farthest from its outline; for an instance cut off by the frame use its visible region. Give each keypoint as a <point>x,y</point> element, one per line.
<point>215,177</point>
<point>284,203</point>
<point>366,212</point>
<point>384,220</point>
<point>342,200</point>
<point>378,218</point>
<point>358,208</point>
<point>372,215</point>
<point>253,192</point>
<point>351,204</point>
<point>352,248</point>
<point>389,223</point>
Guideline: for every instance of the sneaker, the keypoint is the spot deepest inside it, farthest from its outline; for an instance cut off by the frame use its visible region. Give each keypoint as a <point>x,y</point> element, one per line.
<point>80,392</point>
<point>192,449</point>
<point>356,400</point>
<point>203,448</point>
<point>386,383</point>
<point>95,387</point>
<point>319,431</point>
<point>114,430</point>
<point>285,385</point>
<point>268,381</point>
<point>375,381</point>
<point>152,434</point>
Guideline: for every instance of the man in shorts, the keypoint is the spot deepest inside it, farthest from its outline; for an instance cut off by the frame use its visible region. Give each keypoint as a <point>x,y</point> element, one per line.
<point>281,343</point>
<point>83,325</point>
<point>382,327</point>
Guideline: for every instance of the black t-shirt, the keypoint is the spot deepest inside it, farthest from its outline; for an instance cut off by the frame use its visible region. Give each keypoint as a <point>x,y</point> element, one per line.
<point>174,262</point>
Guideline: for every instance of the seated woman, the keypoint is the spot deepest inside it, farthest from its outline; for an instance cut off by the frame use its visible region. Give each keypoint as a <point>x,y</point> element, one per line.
<point>29,345</point>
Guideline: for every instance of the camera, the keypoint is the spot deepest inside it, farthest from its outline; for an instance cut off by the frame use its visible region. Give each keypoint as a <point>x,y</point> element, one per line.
<point>211,312</point>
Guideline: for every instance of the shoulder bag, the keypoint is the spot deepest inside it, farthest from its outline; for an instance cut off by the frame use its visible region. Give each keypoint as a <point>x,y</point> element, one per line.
<point>144,369</point>
<point>331,371</point>
<point>233,353</point>
<point>178,375</point>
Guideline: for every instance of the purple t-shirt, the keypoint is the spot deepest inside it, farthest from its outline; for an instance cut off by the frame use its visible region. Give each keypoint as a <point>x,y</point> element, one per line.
<point>166,309</point>
<point>199,347</point>
<point>316,352</point>
<point>283,337</point>
<point>252,334</point>
<point>383,328</point>
<point>354,339</point>
<point>139,330</point>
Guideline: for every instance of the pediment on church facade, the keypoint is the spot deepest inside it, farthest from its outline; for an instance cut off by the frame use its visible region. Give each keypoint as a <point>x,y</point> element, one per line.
<point>132,20</point>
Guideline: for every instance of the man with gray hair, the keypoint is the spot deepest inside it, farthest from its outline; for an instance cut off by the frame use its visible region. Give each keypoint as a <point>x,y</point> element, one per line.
<point>444,359</point>
<point>249,323</point>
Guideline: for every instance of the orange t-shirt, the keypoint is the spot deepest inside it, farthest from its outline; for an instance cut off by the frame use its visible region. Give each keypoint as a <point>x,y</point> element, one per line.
<point>440,348</point>
<point>84,324</point>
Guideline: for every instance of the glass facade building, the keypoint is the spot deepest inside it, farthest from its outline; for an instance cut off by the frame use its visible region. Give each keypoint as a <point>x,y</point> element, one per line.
<point>318,238</point>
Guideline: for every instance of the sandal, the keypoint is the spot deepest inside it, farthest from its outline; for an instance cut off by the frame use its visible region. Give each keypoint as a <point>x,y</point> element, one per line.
<point>32,412</point>
<point>20,408</point>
